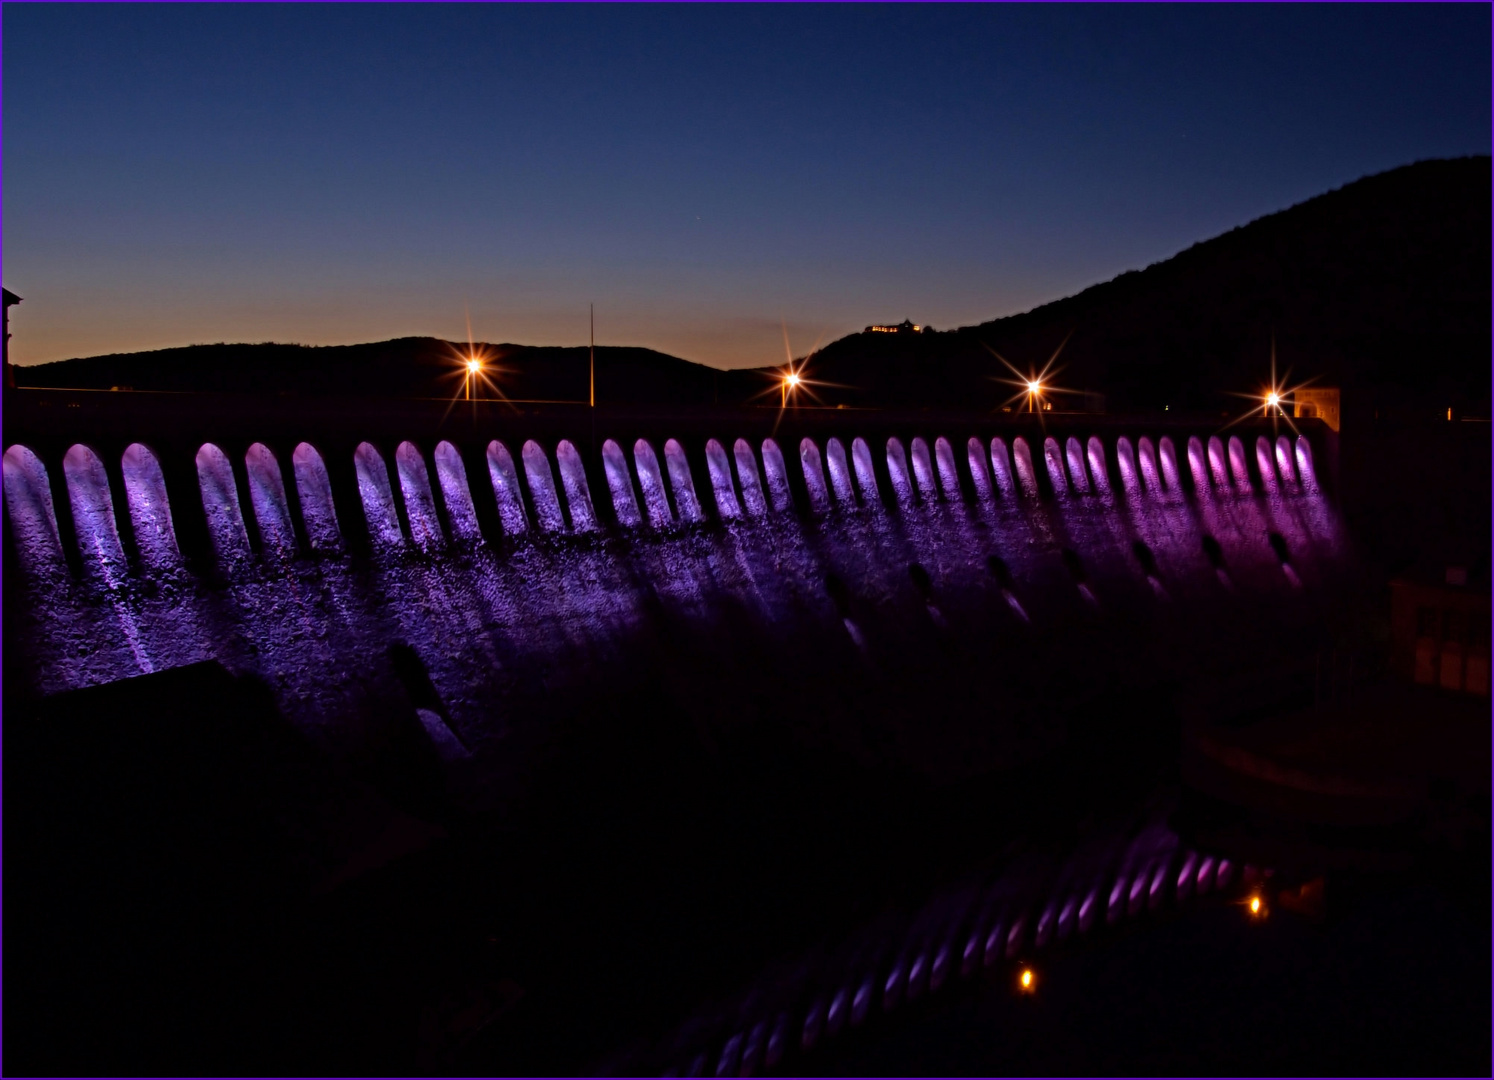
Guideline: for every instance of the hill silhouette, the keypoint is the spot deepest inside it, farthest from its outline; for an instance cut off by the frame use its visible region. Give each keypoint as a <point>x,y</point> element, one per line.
<point>403,367</point>
<point>1381,287</point>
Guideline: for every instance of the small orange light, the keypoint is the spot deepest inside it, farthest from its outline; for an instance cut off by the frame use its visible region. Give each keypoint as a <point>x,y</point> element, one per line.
<point>1028,979</point>
<point>1255,905</point>
<point>1273,399</point>
<point>474,365</point>
<point>1034,388</point>
<point>791,379</point>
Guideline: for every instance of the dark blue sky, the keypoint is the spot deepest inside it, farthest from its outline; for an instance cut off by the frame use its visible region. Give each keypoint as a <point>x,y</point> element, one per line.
<point>338,173</point>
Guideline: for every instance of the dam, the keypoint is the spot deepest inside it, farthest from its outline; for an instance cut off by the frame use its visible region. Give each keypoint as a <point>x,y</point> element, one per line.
<point>516,565</point>
<point>920,599</point>
<point>483,615</point>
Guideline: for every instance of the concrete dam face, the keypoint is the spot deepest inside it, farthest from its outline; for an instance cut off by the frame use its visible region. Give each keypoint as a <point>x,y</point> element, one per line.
<point>933,601</point>
<point>888,699</point>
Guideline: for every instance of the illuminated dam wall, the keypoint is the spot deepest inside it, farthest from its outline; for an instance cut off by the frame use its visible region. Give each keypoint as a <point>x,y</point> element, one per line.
<point>931,598</point>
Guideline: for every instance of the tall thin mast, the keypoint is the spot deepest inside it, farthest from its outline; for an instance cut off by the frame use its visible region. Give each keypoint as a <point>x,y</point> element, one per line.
<point>593,398</point>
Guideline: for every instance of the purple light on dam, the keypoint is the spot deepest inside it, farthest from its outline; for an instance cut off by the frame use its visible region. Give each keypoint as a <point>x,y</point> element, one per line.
<point>1022,457</point>
<point>680,481</point>
<point>420,504</point>
<point>452,476</point>
<point>150,508</point>
<point>840,472</point>
<point>505,480</point>
<point>315,491</point>
<point>980,472</point>
<point>775,470</point>
<point>897,468</point>
<point>814,475</point>
<point>748,479</point>
<point>512,597</point>
<point>651,482</point>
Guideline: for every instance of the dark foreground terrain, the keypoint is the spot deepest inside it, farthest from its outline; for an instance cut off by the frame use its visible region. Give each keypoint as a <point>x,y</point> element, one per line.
<point>155,925</point>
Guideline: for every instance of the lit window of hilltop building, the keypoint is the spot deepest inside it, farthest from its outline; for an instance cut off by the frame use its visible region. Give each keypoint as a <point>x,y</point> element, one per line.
<point>1319,403</point>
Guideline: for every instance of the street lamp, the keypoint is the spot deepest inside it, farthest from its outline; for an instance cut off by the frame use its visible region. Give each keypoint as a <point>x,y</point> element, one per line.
<point>474,368</point>
<point>790,382</point>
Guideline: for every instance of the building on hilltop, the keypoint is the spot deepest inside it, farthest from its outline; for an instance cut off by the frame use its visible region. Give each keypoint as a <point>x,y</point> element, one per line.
<point>10,298</point>
<point>904,327</point>
<point>1317,402</point>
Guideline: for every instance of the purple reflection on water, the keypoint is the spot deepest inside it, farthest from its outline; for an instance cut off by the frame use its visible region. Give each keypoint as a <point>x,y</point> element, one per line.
<point>1117,899</point>
<point>835,1015</point>
<point>1045,925</point>
<point>1186,876</point>
<point>1154,892</point>
<point>1205,877</point>
<point>1087,909</point>
<point>1066,917</point>
<point>1014,937</point>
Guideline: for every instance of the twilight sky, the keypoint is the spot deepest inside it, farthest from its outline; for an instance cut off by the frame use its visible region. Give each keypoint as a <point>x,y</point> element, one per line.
<point>339,173</point>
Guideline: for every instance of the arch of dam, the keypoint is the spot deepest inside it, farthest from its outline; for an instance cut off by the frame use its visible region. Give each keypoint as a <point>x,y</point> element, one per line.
<point>934,590</point>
